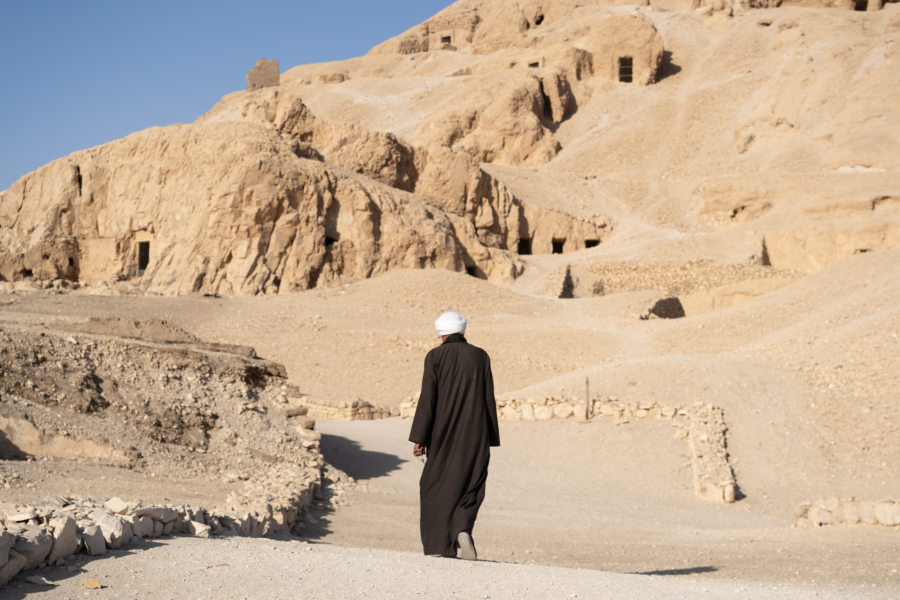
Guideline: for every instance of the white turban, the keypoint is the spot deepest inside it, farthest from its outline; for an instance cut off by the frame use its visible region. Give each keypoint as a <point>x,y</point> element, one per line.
<point>450,322</point>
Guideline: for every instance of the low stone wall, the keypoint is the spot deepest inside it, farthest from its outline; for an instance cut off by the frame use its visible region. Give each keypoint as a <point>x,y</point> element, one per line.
<point>713,477</point>
<point>833,511</point>
<point>32,536</point>
<point>703,425</point>
<point>355,410</point>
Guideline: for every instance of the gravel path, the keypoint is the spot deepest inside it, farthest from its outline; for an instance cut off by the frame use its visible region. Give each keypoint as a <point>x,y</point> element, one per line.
<point>260,568</point>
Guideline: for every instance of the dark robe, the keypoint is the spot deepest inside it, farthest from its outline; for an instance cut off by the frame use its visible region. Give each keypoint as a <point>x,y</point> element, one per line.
<point>456,420</point>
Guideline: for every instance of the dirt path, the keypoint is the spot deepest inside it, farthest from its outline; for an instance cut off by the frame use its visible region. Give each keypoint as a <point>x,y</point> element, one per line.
<point>626,510</point>
<point>238,568</point>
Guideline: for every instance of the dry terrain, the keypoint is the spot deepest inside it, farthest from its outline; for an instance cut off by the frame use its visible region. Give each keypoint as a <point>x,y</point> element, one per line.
<point>496,161</point>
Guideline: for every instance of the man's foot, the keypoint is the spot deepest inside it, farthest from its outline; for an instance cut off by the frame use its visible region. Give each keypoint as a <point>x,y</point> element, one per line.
<point>466,546</point>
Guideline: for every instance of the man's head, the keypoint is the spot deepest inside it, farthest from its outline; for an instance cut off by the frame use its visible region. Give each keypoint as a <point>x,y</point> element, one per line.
<point>450,323</point>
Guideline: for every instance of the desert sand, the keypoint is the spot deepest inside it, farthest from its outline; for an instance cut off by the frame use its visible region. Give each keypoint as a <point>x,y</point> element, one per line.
<point>489,161</point>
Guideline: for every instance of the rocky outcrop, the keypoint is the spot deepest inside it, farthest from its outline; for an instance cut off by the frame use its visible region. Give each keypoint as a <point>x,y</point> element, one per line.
<point>222,208</point>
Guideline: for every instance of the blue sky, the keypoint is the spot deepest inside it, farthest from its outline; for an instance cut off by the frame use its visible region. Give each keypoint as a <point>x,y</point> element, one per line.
<point>78,73</point>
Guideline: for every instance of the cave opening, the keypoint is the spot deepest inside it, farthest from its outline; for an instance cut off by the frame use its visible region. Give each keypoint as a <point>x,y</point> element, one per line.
<point>626,69</point>
<point>558,245</point>
<point>591,243</point>
<point>143,257</point>
<point>524,246</point>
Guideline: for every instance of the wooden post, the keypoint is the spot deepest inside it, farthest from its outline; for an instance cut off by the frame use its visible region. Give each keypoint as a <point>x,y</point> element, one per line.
<point>587,399</point>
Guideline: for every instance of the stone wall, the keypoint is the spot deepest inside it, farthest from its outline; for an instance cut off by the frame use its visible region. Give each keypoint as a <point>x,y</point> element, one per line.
<point>265,74</point>
<point>853,511</point>
<point>32,536</point>
<point>702,425</point>
<point>336,410</point>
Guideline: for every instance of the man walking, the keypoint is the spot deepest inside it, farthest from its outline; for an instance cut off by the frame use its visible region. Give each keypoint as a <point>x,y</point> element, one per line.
<point>455,425</point>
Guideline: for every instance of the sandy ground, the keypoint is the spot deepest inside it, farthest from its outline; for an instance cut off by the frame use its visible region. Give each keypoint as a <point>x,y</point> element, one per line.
<point>258,568</point>
<point>805,375</point>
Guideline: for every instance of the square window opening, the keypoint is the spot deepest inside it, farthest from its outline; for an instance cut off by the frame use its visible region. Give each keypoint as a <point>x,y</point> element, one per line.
<point>558,245</point>
<point>446,39</point>
<point>524,246</point>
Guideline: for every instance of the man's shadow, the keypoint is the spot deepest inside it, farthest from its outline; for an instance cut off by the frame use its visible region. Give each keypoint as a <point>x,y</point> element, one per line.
<point>349,457</point>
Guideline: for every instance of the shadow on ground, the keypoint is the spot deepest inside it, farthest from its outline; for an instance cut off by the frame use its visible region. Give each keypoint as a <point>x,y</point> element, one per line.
<point>685,571</point>
<point>349,457</point>
<point>19,587</point>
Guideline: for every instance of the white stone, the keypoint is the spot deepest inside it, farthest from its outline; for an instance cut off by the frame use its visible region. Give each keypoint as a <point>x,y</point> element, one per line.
<point>65,538</point>
<point>884,513</point>
<point>850,513</point>
<point>34,544</point>
<point>157,528</point>
<point>7,540</point>
<point>115,531</point>
<point>116,506</point>
<point>563,411</point>
<point>527,412</point>
<point>543,413</point>
<point>14,563</point>
<point>196,528</point>
<point>93,540</point>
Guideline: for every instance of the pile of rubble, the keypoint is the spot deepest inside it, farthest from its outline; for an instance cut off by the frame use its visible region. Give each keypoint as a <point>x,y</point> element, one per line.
<point>148,397</point>
<point>833,511</point>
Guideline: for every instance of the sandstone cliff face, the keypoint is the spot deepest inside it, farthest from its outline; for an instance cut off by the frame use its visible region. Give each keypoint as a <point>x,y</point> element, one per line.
<point>226,208</point>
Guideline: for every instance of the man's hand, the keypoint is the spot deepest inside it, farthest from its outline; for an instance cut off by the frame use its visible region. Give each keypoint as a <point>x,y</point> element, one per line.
<point>419,450</point>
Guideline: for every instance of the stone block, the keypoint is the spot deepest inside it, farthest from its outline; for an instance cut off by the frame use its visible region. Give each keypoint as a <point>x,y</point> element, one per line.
<point>34,544</point>
<point>145,526</point>
<point>168,527</point>
<point>157,528</point>
<point>509,413</point>
<point>115,531</point>
<point>850,512</point>
<point>579,409</point>
<point>867,512</point>
<point>7,540</point>
<point>65,538</point>
<point>197,529</point>
<point>14,563</point>
<point>154,512</point>
<point>94,542</point>
<point>818,516</point>
<point>116,506</point>
<point>527,412</point>
<point>563,411</point>
<point>20,516</point>
<point>543,413</point>
<point>608,410</point>
<point>884,513</point>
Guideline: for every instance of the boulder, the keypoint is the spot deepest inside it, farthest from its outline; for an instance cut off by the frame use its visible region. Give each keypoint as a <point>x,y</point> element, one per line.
<point>65,538</point>
<point>15,563</point>
<point>543,413</point>
<point>884,513</point>
<point>563,411</point>
<point>34,544</point>
<point>527,412</point>
<point>197,529</point>
<point>94,542</point>
<point>116,506</point>
<point>115,531</point>
<point>7,540</point>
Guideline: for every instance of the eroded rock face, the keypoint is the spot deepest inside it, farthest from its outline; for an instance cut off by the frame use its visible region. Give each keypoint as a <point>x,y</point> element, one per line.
<point>223,208</point>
